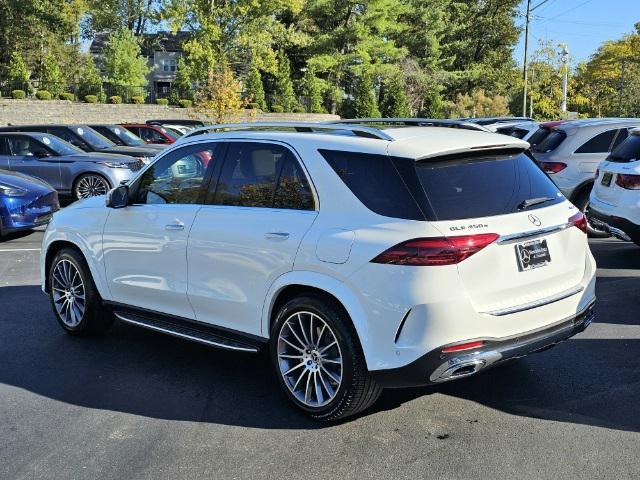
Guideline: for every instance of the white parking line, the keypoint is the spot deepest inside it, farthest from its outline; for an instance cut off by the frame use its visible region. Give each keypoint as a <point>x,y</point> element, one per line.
<point>20,250</point>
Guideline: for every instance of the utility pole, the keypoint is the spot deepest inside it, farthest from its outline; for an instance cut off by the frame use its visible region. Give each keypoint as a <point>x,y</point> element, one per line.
<point>564,58</point>
<point>526,51</point>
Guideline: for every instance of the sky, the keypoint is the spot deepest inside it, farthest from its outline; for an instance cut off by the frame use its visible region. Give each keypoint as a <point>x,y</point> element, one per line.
<point>581,24</point>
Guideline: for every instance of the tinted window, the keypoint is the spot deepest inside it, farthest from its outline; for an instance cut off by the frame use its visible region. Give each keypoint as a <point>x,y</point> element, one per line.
<point>152,136</point>
<point>598,144</point>
<point>539,135</point>
<point>623,133</point>
<point>4,150</point>
<point>293,190</point>
<point>553,141</point>
<point>248,176</point>
<point>104,131</point>
<point>59,146</point>
<point>68,136</point>
<point>177,178</point>
<point>628,151</point>
<point>483,187</point>
<point>25,146</point>
<point>92,137</point>
<point>376,182</point>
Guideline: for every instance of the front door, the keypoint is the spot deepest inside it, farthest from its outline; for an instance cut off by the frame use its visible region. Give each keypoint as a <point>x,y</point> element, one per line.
<point>31,157</point>
<point>248,234</point>
<point>145,244</point>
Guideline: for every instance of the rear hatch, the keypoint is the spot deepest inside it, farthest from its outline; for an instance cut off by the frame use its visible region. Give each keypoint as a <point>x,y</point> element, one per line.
<point>619,171</point>
<point>538,254</point>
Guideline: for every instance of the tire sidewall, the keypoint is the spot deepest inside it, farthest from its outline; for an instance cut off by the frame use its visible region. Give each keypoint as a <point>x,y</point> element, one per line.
<point>335,319</point>
<point>89,174</point>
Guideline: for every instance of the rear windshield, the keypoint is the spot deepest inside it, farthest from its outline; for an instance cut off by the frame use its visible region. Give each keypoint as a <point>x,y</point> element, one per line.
<point>628,151</point>
<point>553,141</point>
<point>538,136</point>
<point>451,188</point>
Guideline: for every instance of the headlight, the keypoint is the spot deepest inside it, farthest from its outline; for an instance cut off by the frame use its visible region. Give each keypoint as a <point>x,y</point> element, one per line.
<point>11,191</point>
<point>115,164</point>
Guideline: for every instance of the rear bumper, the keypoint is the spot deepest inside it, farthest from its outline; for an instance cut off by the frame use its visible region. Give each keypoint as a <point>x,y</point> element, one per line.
<point>437,367</point>
<point>617,226</point>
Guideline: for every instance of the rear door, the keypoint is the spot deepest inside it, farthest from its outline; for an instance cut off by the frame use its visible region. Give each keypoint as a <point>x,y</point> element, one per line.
<point>248,234</point>
<point>500,195</point>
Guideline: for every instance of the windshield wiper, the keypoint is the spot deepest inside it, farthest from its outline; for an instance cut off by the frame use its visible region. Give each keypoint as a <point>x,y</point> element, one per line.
<point>530,202</point>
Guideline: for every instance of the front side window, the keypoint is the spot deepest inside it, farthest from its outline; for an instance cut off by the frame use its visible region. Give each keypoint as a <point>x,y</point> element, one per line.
<point>598,144</point>
<point>178,177</point>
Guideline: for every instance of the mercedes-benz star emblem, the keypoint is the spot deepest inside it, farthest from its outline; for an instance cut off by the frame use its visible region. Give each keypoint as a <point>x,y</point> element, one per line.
<point>535,220</point>
<point>525,256</point>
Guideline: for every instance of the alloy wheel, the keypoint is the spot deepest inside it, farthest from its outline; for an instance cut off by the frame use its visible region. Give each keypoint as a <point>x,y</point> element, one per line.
<point>91,186</point>
<point>310,359</point>
<point>68,293</point>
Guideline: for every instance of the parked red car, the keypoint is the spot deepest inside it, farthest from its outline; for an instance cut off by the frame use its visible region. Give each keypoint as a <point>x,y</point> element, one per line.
<point>155,134</point>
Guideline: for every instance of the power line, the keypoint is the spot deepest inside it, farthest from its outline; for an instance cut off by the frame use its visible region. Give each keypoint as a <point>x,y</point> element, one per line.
<point>567,11</point>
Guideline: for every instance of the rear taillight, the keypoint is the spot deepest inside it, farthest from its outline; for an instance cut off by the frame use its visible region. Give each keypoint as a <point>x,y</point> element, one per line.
<point>436,251</point>
<point>463,346</point>
<point>552,167</point>
<point>627,181</point>
<point>580,221</point>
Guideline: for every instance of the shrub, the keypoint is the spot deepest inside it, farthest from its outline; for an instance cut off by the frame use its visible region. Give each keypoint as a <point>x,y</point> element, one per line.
<point>91,98</point>
<point>67,96</point>
<point>137,99</point>
<point>18,94</point>
<point>43,95</point>
<point>253,106</point>
<point>277,108</point>
<point>162,101</point>
<point>299,109</point>
<point>115,99</point>
<point>185,103</point>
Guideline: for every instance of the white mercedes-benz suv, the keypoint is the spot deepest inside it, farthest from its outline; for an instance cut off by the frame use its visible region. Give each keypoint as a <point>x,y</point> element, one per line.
<point>360,257</point>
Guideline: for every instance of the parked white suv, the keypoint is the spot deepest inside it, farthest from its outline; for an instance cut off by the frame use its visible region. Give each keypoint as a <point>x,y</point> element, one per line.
<point>615,199</point>
<point>362,258</point>
<point>570,154</point>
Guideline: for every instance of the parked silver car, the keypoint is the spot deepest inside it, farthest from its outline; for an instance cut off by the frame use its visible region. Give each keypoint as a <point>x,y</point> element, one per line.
<point>66,168</point>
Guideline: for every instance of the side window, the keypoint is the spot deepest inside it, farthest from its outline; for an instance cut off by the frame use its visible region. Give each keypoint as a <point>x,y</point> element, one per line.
<point>623,133</point>
<point>248,176</point>
<point>151,135</point>
<point>25,147</point>
<point>293,190</point>
<point>178,177</point>
<point>135,131</point>
<point>67,136</point>
<point>598,144</point>
<point>4,148</point>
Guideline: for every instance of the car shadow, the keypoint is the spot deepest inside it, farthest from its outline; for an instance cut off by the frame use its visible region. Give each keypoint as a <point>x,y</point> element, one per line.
<point>584,381</point>
<point>15,236</point>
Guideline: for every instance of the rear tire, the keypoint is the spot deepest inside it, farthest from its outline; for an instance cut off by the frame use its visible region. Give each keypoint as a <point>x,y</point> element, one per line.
<point>318,360</point>
<point>74,298</point>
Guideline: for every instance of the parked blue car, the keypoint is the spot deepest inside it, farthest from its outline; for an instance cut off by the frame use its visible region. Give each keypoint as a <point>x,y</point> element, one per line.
<point>25,202</point>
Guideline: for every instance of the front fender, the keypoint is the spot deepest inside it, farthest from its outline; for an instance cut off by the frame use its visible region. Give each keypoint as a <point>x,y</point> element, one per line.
<point>337,288</point>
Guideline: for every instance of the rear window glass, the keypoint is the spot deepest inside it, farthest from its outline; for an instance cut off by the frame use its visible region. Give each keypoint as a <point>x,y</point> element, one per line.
<point>553,141</point>
<point>628,151</point>
<point>484,187</point>
<point>376,182</point>
<point>539,135</point>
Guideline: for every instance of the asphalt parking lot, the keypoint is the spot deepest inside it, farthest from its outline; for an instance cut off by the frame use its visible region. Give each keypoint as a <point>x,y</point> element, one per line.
<point>139,405</point>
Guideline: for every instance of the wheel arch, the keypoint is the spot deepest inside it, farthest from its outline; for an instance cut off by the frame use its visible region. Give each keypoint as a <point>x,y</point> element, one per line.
<point>580,189</point>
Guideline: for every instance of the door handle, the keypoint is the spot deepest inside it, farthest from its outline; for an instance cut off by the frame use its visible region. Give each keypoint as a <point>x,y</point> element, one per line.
<point>174,226</point>
<point>276,235</point>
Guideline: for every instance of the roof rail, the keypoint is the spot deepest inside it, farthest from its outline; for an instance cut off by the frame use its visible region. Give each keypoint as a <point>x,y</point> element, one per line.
<point>415,122</point>
<point>357,130</point>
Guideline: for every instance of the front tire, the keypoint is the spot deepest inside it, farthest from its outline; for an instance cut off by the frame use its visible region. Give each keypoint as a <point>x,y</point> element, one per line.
<point>90,185</point>
<point>75,300</point>
<point>318,360</point>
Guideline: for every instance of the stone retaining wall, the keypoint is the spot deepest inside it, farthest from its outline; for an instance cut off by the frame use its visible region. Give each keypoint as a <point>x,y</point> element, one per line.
<point>22,112</point>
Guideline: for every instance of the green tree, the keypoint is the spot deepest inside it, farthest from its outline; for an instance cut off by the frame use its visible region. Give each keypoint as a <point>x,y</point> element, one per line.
<point>478,104</point>
<point>313,88</point>
<point>393,100</point>
<point>90,80</point>
<point>52,79</point>
<point>137,16</point>
<point>364,102</point>
<point>17,73</point>
<point>220,97</point>
<point>255,89</point>
<point>182,86</point>
<point>284,94</point>
<point>122,64</point>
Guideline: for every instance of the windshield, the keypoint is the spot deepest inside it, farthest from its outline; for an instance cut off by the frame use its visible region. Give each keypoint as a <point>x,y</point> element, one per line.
<point>628,151</point>
<point>128,138</point>
<point>552,142</point>
<point>93,138</point>
<point>169,132</point>
<point>59,146</point>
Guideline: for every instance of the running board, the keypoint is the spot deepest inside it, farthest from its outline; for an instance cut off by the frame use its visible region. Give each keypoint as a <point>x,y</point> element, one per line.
<point>195,332</point>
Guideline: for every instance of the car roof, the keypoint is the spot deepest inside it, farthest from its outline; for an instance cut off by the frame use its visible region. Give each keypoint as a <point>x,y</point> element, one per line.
<point>597,122</point>
<point>409,142</point>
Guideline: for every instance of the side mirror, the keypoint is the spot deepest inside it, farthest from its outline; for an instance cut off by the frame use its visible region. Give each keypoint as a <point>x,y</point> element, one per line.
<point>118,197</point>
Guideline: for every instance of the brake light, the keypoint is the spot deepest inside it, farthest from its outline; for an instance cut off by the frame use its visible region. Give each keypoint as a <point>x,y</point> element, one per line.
<point>463,346</point>
<point>552,167</point>
<point>436,251</point>
<point>627,181</point>
<point>580,221</point>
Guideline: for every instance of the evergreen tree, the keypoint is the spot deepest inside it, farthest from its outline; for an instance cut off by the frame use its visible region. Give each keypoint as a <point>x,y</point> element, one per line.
<point>52,79</point>
<point>313,88</point>
<point>18,73</point>
<point>283,91</point>
<point>255,88</point>
<point>393,100</point>
<point>364,102</point>
<point>182,86</point>
<point>123,65</point>
<point>90,80</point>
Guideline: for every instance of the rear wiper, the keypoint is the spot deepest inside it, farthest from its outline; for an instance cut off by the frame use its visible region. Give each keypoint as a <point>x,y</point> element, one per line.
<point>530,202</point>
